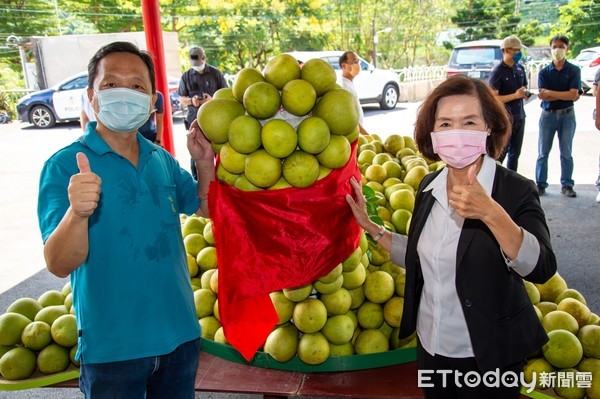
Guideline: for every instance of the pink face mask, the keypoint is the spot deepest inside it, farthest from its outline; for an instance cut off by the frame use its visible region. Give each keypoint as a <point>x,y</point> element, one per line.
<point>459,148</point>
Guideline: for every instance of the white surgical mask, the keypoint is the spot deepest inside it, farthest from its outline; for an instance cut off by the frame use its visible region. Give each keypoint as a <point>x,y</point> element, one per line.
<point>199,68</point>
<point>123,110</point>
<point>559,54</point>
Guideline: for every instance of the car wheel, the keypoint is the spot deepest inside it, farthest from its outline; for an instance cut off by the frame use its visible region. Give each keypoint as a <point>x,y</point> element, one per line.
<point>42,117</point>
<point>389,99</point>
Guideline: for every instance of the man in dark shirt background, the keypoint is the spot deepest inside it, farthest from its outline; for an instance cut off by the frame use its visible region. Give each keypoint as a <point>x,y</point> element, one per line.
<point>197,86</point>
<point>509,82</point>
<point>153,128</point>
<point>559,84</point>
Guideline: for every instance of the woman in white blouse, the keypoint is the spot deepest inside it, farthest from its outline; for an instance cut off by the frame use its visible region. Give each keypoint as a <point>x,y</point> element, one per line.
<point>477,231</point>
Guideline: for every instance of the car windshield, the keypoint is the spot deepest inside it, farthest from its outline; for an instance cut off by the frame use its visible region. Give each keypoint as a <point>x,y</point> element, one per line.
<point>585,56</point>
<point>475,55</point>
<point>333,61</point>
<point>78,83</point>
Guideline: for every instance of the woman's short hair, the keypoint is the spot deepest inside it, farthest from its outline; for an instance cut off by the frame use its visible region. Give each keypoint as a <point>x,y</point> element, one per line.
<point>494,113</point>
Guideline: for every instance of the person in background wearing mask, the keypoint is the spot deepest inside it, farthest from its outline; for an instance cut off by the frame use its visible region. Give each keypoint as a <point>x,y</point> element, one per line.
<point>108,210</point>
<point>197,86</point>
<point>508,80</point>
<point>478,229</point>
<point>153,128</point>
<point>350,64</point>
<point>559,85</point>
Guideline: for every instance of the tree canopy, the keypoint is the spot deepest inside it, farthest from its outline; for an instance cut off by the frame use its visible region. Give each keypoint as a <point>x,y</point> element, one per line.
<point>238,33</point>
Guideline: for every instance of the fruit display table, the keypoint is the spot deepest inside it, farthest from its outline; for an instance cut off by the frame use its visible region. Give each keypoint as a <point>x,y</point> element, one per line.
<point>219,375</point>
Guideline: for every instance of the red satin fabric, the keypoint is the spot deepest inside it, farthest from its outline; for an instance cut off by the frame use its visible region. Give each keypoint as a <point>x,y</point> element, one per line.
<point>274,239</point>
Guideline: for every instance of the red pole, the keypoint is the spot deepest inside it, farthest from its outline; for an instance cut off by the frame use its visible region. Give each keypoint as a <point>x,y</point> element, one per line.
<point>154,43</point>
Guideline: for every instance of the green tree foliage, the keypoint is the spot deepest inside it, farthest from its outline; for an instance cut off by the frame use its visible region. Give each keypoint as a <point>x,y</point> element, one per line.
<point>178,15</point>
<point>401,45</point>
<point>354,25</point>
<point>358,21</point>
<point>497,19</point>
<point>528,32</point>
<point>106,15</point>
<point>23,18</point>
<point>241,33</point>
<point>541,10</point>
<point>579,22</point>
<point>8,76</point>
<point>487,19</point>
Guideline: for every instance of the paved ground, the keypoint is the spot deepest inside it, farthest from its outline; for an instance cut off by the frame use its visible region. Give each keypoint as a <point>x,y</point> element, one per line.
<point>573,222</point>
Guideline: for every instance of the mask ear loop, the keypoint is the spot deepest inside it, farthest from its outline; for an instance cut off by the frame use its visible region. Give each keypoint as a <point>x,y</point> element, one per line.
<point>488,140</point>
<point>93,110</point>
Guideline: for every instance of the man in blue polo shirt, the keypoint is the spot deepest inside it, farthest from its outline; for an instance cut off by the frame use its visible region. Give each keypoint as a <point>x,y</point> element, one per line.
<point>509,82</point>
<point>559,84</point>
<point>108,210</point>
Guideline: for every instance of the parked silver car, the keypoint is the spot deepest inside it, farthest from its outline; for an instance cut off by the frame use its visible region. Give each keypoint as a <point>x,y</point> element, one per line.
<point>588,60</point>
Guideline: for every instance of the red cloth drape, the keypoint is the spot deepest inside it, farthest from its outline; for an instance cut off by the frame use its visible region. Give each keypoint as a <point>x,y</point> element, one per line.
<point>274,239</point>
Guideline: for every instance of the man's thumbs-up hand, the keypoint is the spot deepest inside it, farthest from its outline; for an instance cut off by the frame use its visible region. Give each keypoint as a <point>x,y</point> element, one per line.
<point>471,200</point>
<point>83,163</point>
<point>84,188</point>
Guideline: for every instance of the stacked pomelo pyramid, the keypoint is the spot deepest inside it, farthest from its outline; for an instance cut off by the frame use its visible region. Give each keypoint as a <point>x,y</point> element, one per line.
<point>288,126</point>
<point>354,309</point>
<point>38,335</point>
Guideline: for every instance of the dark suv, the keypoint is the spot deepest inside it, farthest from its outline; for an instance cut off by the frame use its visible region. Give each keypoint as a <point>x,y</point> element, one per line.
<point>475,59</point>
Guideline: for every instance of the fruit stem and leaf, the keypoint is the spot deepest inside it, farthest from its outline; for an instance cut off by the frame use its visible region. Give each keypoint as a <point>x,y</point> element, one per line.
<point>372,206</point>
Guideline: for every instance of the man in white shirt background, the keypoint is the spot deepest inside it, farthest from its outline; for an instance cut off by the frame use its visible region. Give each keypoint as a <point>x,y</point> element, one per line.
<point>350,64</point>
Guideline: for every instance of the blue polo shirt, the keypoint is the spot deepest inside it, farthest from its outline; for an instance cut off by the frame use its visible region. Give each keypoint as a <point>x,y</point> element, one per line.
<point>508,80</point>
<point>132,295</point>
<point>569,77</point>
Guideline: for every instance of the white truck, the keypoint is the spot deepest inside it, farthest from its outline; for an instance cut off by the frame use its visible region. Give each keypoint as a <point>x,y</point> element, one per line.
<point>56,58</point>
<point>56,73</point>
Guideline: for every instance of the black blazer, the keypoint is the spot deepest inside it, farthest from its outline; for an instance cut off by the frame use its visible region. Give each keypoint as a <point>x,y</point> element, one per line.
<point>501,321</point>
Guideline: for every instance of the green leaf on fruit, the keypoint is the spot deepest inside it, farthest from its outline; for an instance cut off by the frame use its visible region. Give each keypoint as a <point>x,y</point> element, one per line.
<point>371,199</point>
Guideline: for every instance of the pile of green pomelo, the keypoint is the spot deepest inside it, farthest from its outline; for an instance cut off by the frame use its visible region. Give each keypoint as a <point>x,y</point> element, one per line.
<point>288,127</point>
<point>285,127</point>
<point>357,307</point>
<point>38,334</point>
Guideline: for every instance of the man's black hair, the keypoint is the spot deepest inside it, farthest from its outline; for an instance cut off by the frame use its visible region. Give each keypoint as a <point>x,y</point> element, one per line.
<point>344,57</point>
<point>560,38</point>
<point>119,47</point>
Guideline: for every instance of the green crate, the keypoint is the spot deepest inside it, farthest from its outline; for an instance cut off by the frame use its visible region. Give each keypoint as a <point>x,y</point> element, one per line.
<point>332,364</point>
